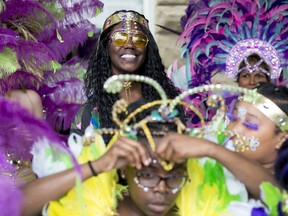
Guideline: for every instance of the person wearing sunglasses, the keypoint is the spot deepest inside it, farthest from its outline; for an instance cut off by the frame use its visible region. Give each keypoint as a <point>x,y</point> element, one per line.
<point>125,46</point>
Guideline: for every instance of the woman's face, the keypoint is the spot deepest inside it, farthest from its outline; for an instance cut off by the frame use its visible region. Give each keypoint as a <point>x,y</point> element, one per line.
<point>158,200</point>
<point>250,80</point>
<point>248,117</point>
<point>126,59</point>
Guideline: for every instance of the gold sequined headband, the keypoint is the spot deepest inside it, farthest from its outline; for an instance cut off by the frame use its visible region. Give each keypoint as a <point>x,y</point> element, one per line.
<point>269,109</point>
<point>125,17</point>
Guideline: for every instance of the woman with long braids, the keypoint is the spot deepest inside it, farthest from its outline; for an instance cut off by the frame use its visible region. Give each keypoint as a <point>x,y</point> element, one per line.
<point>125,46</point>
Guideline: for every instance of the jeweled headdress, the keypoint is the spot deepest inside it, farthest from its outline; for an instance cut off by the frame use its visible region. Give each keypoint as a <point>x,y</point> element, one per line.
<point>125,17</point>
<point>167,112</point>
<point>220,34</point>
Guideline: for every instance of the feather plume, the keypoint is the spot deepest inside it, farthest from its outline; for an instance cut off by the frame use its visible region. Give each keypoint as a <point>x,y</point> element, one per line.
<point>9,62</point>
<point>62,96</point>
<point>20,131</point>
<point>211,193</point>
<point>97,200</point>
<point>209,45</point>
<point>11,198</point>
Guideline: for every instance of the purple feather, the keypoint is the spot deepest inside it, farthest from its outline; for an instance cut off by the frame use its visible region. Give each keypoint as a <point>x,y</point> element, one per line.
<point>62,96</point>
<point>11,198</point>
<point>71,39</point>
<point>76,10</point>
<point>7,41</point>
<point>19,80</point>
<point>24,9</point>
<point>20,131</point>
<point>35,54</point>
<point>210,31</point>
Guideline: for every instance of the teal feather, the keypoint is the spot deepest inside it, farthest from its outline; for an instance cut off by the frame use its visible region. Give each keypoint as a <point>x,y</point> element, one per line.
<point>196,55</point>
<point>222,56</point>
<point>247,31</point>
<point>183,50</point>
<point>266,29</point>
<point>207,49</point>
<point>228,44</point>
<point>241,32</point>
<point>230,35</point>
<point>276,32</point>
<point>187,68</point>
<point>280,44</point>
<point>255,27</point>
<point>225,22</point>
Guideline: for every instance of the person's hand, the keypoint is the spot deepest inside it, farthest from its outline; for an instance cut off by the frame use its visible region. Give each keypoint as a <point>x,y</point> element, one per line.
<point>123,152</point>
<point>179,147</point>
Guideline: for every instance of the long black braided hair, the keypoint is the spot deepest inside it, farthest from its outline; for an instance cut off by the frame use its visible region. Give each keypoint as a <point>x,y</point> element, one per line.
<point>99,71</point>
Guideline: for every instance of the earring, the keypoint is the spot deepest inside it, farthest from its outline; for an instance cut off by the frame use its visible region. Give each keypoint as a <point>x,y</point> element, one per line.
<point>123,176</point>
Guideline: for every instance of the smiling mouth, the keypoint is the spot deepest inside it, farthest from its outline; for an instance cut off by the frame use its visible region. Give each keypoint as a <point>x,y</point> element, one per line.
<point>128,56</point>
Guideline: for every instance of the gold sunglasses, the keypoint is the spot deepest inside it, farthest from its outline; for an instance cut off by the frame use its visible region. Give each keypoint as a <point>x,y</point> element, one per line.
<point>121,38</point>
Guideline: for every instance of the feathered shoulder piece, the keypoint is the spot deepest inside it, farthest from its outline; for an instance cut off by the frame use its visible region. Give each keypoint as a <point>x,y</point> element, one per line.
<point>220,34</point>
<point>95,196</point>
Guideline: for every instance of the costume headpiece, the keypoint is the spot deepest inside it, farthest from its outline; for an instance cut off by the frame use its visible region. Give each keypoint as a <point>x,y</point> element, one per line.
<point>167,112</point>
<point>220,34</point>
<point>125,18</point>
<point>269,109</point>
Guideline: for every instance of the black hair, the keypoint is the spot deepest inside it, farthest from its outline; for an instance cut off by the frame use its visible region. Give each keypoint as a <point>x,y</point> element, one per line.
<point>254,58</point>
<point>281,166</point>
<point>156,128</point>
<point>99,71</point>
<point>277,94</point>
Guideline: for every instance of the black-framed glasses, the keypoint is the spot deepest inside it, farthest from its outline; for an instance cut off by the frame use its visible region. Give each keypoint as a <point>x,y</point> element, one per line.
<point>121,38</point>
<point>174,182</point>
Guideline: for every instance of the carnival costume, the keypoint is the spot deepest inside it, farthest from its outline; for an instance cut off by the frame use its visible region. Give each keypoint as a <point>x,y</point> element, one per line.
<point>37,38</point>
<point>130,24</point>
<point>220,34</point>
<point>213,190</point>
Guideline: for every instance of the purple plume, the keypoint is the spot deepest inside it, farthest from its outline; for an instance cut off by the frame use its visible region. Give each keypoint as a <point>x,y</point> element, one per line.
<point>62,95</point>
<point>11,198</point>
<point>20,131</point>
<point>19,80</point>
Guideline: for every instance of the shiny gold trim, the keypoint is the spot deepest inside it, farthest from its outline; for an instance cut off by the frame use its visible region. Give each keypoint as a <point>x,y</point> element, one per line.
<point>271,110</point>
<point>125,16</point>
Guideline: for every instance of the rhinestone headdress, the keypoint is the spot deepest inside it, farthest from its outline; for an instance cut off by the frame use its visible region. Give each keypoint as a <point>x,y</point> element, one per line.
<point>167,111</point>
<point>220,34</point>
<point>125,18</point>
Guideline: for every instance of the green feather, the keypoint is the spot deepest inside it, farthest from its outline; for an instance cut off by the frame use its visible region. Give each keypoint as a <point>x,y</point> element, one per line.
<point>2,5</point>
<point>271,196</point>
<point>98,11</point>
<point>55,66</point>
<point>9,62</point>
